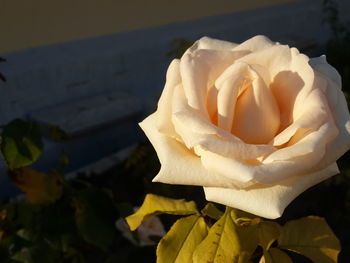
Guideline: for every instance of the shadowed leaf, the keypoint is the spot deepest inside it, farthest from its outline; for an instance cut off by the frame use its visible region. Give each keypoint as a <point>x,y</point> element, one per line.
<point>268,233</point>
<point>94,217</point>
<point>39,188</point>
<point>212,211</point>
<point>312,237</point>
<point>275,255</point>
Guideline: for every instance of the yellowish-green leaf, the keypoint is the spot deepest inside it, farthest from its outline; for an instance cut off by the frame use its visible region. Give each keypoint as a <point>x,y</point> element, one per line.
<point>155,205</point>
<point>312,237</point>
<point>39,188</point>
<point>178,245</point>
<point>245,221</point>
<point>212,211</point>
<point>268,233</point>
<point>239,214</point>
<point>275,255</point>
<point>21,143</point>
<point>227,242</point>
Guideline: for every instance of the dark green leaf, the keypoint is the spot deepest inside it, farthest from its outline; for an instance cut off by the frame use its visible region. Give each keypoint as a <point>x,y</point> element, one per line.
<point>95,218</point>
<point>21,143</point>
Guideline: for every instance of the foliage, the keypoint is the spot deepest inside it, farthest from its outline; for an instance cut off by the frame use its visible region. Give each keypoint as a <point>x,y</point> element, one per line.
<point>21,143</point>
<point>74,221</point>
<point>236,235</point>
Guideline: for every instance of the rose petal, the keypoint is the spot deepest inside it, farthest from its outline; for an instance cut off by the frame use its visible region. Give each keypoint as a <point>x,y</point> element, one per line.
<point>313,146</point>
<point>321,65</point>
<point>255,44</point>
<point>164,109</point>
<point>256,117</point>
<point>292,79</point>
<point>338,107</point>
<point>199,70</point>
<point>196,130</point>
<point>178,164</point>
<point>315,111</point>
<point>303,157</point>
<point>268,201</point>
<point>230,85</point>
<point>212,44</point>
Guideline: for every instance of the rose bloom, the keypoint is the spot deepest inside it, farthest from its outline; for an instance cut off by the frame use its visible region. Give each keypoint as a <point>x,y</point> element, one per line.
<point>255,124</point>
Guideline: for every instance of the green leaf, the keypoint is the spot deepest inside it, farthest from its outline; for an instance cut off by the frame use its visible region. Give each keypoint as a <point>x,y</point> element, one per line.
<point>21,143</point>
<point>212,211</point>
<point>39,253</point>
<point>268,233</point>
<point>155,205</point>
<point>182,239</point>
<point>40,188</point>
<point>227,241</point>
<point>312,237</point>
<point>275,255</point>
<point>95,217</point>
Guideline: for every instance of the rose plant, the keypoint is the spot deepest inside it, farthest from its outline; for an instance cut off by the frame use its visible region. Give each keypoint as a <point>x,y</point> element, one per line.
<point>255,124</point>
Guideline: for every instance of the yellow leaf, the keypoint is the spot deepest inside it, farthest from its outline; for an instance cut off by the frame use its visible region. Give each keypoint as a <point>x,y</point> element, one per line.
<point>155,205</point>
<point>178,245</point>
<point>227,241</point>
<point>39,188</point>
<point>268,233</point>
<point>312,237</point>
<point>212,211</point>
<point>275,255</point>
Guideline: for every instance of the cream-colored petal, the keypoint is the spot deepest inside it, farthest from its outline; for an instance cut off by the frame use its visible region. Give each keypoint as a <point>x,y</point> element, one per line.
<point>164,109</point>
<point>338,108</point>
<point>256,117</point>
<point>196,130</point>
<point>315,112</point>
<point>212,44</point>
<point>268,201</point>
<point>179,165</point>
<point>309,149</point>
<point>321,65</point>
<point>301,158</point>
<point>292,78</point>
<point>199,70</point>
<point>227,167</point>
<point>230,85</point>
<point>255,43</point>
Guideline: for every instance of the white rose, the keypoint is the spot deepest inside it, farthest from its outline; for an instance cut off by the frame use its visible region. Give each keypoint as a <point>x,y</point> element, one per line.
<point>255,124</point>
